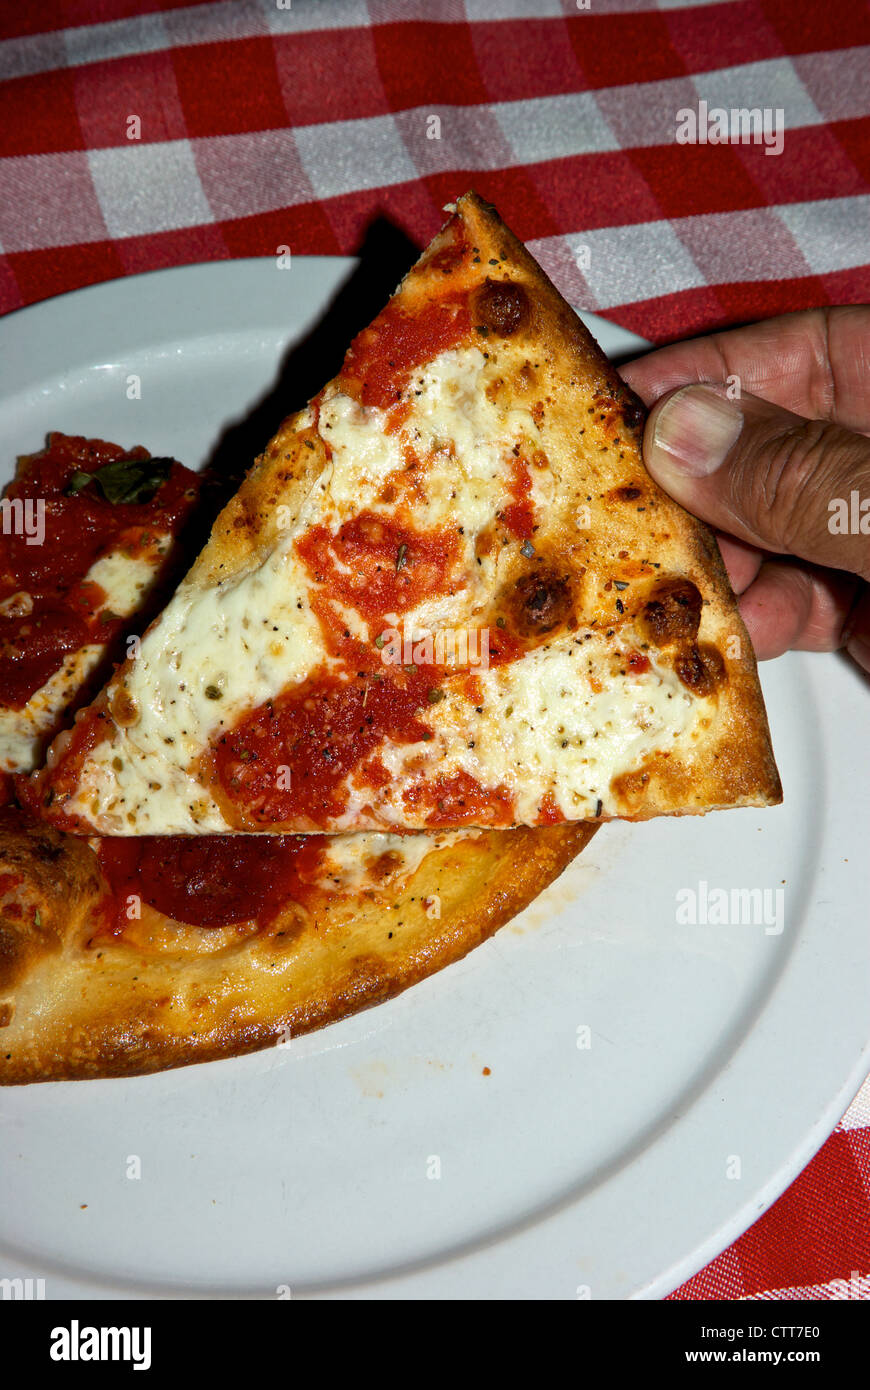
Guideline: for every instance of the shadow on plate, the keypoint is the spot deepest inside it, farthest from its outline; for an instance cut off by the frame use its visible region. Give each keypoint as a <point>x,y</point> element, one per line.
<point>384,256</point>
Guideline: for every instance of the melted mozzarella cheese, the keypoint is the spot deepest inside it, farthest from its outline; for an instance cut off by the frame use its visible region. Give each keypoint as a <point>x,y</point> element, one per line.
<point>544,727</point>
<point>22,730</point>
<point>543,723</point>
<point>252,635</point>
<point>212,655</point>
<point>462,436</point>
<point>127,578</point>
<point>348,860</point>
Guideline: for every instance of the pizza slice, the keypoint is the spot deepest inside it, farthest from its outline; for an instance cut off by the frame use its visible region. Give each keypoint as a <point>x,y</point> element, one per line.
<point>448,594</point>
<point>88,538</point>
<point>129,956</point>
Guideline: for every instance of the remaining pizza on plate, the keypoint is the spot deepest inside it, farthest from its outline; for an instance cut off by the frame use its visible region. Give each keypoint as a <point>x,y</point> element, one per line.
<point>88,532</point>
<point>448,594</point>
<point>119,957</point>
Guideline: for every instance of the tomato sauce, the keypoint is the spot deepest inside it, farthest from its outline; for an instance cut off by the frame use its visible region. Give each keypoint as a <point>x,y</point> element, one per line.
<point>289,759</point>
<point>549,812</point>
<point>381,359</point>
<point>519,515</point>
<point>450,257</point>
<point>637,663</point>
<point>33,647</point>
<point>460,800</point>
<point>379,565</point>
<point>58,611</point>
<point>90,728</point>
<point>505,646</point>
<point>209,880</point>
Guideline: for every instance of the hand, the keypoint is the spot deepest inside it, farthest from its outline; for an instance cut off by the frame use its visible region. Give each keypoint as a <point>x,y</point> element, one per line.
<point>781,472</point>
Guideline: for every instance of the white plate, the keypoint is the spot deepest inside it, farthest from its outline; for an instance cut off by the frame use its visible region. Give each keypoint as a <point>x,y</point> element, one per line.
<point>609,1168</point>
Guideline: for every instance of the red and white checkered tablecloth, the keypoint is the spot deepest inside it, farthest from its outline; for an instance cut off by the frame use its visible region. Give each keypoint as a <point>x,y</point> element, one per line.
<point>293,122</point>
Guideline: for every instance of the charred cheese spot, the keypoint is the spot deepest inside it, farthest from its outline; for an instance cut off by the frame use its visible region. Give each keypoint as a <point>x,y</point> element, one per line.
<point>633,414</point>
<point>672,613</point>
<point>626,494</point>
<point>123,708</point>
<point>501,307</point>
<point>701,669</point>
<point>385,866</point>
<point>628,787</point>
<point>540,602</point>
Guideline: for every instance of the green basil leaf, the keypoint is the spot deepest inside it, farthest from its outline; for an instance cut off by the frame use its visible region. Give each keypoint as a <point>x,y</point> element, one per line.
<point>125,480</point>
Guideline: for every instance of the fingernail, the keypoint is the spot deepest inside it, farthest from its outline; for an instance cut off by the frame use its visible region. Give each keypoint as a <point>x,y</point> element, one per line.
<point>694,432</point>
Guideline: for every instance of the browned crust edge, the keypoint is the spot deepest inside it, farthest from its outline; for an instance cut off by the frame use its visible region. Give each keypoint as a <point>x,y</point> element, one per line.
<point>78,1017</point>
<point>747,773</point>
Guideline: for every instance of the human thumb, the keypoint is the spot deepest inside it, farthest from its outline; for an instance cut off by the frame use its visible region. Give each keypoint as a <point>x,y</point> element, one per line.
<point>751,469</point>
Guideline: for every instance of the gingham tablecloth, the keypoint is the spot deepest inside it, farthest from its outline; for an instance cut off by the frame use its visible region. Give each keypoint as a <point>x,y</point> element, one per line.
<point>263,123</point>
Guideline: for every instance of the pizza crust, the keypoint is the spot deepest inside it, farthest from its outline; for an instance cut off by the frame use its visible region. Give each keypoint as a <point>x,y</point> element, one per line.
<point>75,1006</point>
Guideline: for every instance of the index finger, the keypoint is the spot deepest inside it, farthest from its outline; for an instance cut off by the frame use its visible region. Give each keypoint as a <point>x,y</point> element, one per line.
<point>815,363</point>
